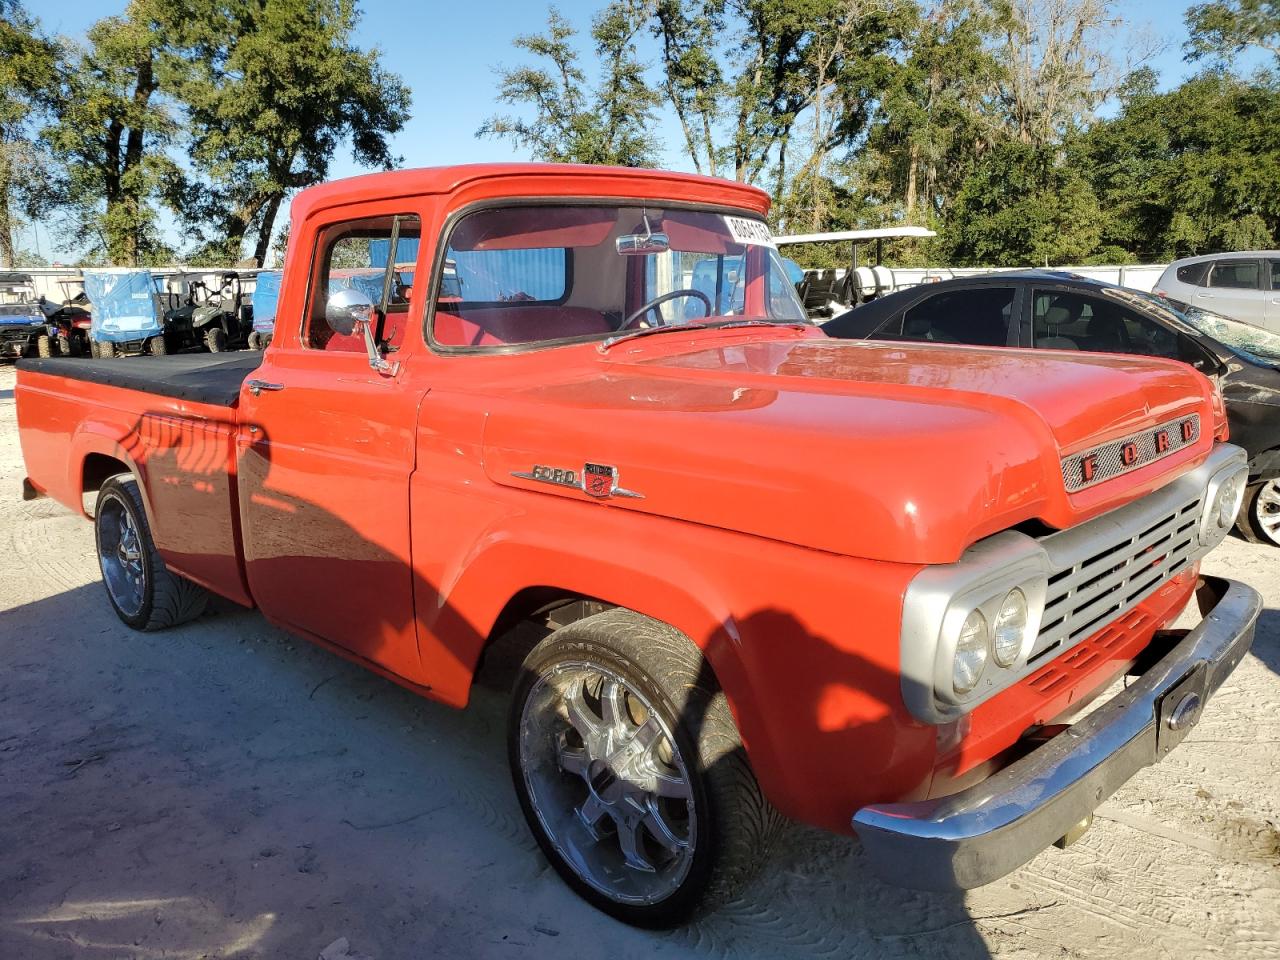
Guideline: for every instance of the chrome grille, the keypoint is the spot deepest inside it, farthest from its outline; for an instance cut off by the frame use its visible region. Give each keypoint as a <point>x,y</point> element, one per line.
<point>1092,466</point>
<point>1096,579</point>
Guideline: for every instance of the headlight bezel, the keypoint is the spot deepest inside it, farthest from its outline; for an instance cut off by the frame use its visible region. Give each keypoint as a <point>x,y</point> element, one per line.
<point>939,602</point>
<point>1212,532</point>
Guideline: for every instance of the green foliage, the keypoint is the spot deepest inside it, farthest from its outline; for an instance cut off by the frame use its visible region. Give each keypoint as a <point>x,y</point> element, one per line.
<point>1194,170</point>
<point>572,123</point>
<point>1226,27</point>
<point>1022,205</point>
<point>27,74</point>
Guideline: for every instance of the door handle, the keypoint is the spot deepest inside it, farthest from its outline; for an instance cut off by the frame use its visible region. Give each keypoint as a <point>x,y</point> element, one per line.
<point>257,386</point>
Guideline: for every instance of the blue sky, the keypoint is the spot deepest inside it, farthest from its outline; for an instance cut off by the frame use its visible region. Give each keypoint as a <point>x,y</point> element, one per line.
<point>447,53</point>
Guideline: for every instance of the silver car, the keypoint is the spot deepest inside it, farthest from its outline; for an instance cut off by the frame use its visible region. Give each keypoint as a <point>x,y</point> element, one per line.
<point>1243,286</point>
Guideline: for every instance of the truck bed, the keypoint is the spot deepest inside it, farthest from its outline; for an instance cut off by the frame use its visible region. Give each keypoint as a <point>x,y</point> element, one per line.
<point>213,378</point>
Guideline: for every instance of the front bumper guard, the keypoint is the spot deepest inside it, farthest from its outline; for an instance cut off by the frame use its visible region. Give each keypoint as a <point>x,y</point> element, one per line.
<point>990,829</point>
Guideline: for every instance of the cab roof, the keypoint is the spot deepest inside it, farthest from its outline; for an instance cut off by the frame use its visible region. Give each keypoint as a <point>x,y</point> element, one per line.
<point>532,180</point>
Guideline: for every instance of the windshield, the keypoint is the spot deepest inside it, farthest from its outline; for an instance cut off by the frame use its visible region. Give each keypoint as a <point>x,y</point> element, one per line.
<point>548,273</point>
<point>1245,338</point>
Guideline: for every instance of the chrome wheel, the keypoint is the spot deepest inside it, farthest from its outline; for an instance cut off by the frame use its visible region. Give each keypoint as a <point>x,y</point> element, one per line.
<point>120,554</point>
<point>1266,510</point>
<point>607,783</point>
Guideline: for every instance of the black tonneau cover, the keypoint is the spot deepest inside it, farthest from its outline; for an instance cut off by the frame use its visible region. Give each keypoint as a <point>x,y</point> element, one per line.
<point>213,378</point>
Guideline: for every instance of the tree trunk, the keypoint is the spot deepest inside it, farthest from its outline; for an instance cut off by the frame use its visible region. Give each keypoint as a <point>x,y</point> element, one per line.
<point>913,161</point>
<point>265,227</point>
<point>6,221</point>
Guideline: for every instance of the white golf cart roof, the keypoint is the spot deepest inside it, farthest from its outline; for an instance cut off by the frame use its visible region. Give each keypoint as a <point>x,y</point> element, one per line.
<point>879,233</point>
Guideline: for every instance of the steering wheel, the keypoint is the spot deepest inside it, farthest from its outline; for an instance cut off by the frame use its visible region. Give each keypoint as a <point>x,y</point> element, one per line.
<point>657,301</point>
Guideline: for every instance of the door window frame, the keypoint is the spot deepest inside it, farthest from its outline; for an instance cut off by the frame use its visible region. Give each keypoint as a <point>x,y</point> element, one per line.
<point>1013,335</point>
<point>340,216</point>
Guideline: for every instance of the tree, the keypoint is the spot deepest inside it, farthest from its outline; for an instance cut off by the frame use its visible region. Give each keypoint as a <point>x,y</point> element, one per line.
<point>741,73</point>
<point>1023,204</point>
<point>271,88</point>
<point>1194,170</point>
<point>936,115</point>
<point>572,123</point>
<point>1226,27</point>
<point>27,74</point>
<point>111,130</point>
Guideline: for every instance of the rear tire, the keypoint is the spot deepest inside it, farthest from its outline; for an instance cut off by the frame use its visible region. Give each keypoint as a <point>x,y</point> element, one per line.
<point>653,814</point>
<point>157,346</point>
<point>106,349</point>
<point>144,593</point>
<point>215,339</point>
<point>65,348</point>
<point>1259,519</point>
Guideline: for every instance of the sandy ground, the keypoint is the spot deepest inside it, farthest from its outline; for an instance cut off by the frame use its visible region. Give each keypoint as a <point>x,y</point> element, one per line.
<point>223,790</point>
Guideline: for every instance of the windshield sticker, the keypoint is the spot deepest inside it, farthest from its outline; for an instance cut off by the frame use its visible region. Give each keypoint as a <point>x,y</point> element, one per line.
<point>750,232</point>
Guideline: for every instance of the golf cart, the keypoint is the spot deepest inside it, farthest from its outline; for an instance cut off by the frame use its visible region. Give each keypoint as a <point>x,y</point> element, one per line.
<point>69,320</point>
<point>128,311</point>
<point>826,293</point>
<point>217,319</point>
<point>22,323</point>
<point>266,293</point>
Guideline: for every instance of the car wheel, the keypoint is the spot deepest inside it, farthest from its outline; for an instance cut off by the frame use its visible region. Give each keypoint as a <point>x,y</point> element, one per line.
<point>106,349</point>
<point>157,346</point>
<point>631,772</point>
<point>215,338</point>
<point>44,346</point>
<point>142,590</point>
<point>64,346</point>
<point>1259,520</point>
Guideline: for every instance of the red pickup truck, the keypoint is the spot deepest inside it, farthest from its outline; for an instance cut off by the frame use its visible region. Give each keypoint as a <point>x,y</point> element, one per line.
<point>867,586</point>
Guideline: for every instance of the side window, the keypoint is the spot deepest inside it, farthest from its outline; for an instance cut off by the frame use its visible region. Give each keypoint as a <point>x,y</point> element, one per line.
<point>1275,274</point>
<point>1195,274</point>
<point>977,316</point>
<point>1066,320</point>
<point>375,257</point>
<point>1236,274</point>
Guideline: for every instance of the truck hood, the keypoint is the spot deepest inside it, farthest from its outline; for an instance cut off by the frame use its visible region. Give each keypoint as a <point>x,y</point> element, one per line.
<point>887,451</point>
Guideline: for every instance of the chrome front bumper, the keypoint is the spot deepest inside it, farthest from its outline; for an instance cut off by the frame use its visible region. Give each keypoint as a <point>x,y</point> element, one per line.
<point>982,833</point>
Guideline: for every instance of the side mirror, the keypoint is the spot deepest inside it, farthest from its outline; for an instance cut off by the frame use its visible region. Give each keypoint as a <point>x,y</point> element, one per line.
<point>350,311</point>
<point>347,309</point>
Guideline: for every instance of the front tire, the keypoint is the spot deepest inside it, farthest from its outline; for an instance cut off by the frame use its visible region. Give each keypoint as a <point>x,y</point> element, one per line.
<point>142,590</point>
<point>44,346</point>
<point>106,349</point>
<point>1259,520</point>
<point>631,772</point>
<point>215,339</point>
<point>157,346</point>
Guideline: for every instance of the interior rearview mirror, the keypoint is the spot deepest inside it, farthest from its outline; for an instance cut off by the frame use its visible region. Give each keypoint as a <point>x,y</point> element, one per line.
<point>643,244</point>
<point>347,308</point>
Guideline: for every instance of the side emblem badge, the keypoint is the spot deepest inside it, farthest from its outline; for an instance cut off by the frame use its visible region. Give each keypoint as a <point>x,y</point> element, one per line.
<point>598,480</point>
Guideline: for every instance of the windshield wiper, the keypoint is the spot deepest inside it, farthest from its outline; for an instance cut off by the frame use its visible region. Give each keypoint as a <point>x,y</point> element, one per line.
<point>696,325</point>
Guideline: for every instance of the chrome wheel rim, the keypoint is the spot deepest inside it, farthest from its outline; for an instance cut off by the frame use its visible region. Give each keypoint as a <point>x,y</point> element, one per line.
<point>1266,510</point>
<point>120,555</point>
<point>607,783</point>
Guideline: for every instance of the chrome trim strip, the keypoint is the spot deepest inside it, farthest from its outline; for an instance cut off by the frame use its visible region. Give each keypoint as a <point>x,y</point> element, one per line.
<point>980,834</point>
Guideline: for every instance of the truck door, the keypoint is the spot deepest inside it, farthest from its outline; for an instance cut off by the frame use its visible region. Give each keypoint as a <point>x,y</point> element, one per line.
<point>325,452</point>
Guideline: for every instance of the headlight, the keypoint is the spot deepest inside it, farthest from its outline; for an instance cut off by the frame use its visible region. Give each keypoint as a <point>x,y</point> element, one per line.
<point>1227,504</point>
<point>1009,628</point>
<point>971,653</point>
